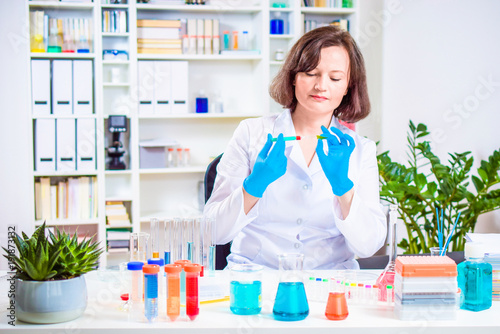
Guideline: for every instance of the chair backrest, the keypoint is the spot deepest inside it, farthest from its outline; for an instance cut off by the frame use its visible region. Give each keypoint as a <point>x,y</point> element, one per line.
<point>221,251</point>
<point>210,175</point>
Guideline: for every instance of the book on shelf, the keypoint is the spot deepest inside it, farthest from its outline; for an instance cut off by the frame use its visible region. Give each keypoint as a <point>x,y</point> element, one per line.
<point>176,51</point>
<point>73,198</point>
<point>240,52</point>
<point>61,34</point>
<point>157,33</point>
<point>118,250</point>
<point>118,235</point>
<point>159,23</point>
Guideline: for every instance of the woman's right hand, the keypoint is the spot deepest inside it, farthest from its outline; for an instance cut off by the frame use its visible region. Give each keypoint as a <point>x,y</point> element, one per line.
<point>268,167</point>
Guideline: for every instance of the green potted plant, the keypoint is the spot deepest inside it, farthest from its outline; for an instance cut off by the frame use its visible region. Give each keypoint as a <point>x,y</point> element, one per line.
<point>50,286</point>
<point>425,184</point>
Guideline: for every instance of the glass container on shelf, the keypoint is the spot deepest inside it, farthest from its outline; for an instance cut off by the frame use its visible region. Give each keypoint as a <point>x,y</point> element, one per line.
<point>387,277</point>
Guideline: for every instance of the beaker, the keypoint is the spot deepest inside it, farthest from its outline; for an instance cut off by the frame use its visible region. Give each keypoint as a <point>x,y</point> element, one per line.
<point>139,247</point>
<point>336,306</point>
<point>435,251</point>
<point>291,301</point>
<point>246,289</point>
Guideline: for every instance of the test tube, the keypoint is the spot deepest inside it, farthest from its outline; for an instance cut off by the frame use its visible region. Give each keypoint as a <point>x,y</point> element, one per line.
<point>197,241</point>
<point>192,302</point>
<point>225,34</point>
<point>135,290</point>
<point>368,293</point>
<point>325,289</point>
<point>208,260</point>
<point>151,291</point>
<point>167,239</point>
<point>176,241</point>
<point>180,160</point>
<point>183,263</point>
<point>390,295</point>
<point>155,235</point>
<point>139,247</point>
<point>361,292</point>
<point>161,283</point>
<point>187,234</point>
<point>173,290</point>
<point>235,40</point>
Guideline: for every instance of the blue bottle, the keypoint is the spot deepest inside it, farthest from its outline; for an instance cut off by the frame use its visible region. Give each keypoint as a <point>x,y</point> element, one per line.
<point>277,26</point>
<point>475,279</point>
<point>202,103</point>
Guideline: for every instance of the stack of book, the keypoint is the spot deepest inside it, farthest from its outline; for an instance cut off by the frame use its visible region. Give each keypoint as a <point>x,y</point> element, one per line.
<point>116,214</point>
<point>114,21</point>
<point>328,3</point>
<point>159,36</point>
<point>118,241</point>
<point>313,24</point>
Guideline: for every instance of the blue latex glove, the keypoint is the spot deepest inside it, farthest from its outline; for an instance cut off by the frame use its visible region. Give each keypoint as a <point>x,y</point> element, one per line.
<point>335,164</point>
<point>267,168</point>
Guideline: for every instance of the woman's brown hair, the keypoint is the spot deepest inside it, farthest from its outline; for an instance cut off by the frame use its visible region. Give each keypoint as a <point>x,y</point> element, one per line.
<point>305,56</point>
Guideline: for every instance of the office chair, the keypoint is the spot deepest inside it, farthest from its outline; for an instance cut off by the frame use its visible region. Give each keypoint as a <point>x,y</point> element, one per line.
<point>221,251</point>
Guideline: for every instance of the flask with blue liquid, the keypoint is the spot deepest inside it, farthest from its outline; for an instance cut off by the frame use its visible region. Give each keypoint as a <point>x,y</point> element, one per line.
<point>475,279</point>
<point>291,301</point>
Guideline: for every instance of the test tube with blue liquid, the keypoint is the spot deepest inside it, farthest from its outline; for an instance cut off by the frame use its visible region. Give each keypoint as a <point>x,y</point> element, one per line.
<point>208,259</point>
<point>167,240</point>
<point>151,291</point>
<point>246,289</point>
<point>291,300</point>
<point>187,234</point>
<point>161,282</point>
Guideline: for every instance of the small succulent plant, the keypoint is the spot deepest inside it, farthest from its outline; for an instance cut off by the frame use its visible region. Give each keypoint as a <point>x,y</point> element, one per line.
<point>56,257</point>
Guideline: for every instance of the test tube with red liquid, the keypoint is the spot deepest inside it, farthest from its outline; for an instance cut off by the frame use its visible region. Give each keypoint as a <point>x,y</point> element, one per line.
<point>192,301</point>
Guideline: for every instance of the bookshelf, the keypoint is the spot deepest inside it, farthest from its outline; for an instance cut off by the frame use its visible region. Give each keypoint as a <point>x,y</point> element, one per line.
<point>244,79</point>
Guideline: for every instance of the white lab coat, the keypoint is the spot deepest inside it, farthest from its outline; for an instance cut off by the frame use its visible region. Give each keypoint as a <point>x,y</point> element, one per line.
<point>298,213</point>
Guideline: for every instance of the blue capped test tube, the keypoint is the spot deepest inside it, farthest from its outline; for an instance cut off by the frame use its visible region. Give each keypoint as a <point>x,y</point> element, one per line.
<point>151,291</point>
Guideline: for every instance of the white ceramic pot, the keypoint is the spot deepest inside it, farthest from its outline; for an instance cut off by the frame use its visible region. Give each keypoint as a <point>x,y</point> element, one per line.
<point>50,302</point>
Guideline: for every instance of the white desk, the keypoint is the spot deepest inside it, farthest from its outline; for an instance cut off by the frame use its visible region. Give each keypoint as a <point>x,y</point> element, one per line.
<point>103,316</point>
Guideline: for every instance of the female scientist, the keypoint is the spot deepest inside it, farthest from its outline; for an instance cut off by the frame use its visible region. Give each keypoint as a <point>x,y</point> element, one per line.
<point>315,196</point>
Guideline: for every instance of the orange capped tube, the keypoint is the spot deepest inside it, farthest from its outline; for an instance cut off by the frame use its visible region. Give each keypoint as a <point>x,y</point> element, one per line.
<point>173,290</point>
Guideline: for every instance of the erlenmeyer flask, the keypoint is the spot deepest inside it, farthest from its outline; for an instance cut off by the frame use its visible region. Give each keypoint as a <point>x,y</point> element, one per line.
<point>387,276</point>
<point>291,301</point>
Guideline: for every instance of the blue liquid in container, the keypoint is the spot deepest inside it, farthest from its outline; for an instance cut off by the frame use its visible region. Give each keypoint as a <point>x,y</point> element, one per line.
<point>211,258</point>
<point>291,302</point>
<point>475,282</point>
<point>190,250</point>
<point>183,287</point>
<point>151,297</point>
<point>246,298</point>
<point>166,257</point>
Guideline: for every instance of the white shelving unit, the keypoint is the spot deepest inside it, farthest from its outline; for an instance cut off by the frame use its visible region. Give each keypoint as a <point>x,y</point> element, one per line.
<point>244,80</point>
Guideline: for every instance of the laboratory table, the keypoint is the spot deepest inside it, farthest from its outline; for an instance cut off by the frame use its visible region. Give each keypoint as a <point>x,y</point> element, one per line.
<point>104,315</point>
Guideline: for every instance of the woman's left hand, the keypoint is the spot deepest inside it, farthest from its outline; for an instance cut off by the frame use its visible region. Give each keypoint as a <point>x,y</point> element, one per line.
<point>335,164</point>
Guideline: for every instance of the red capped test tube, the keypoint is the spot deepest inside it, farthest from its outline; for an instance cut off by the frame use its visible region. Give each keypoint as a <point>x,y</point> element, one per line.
<point>192,302</point>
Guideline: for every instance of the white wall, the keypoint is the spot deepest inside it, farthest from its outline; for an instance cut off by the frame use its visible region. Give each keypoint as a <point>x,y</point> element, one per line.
<point>441,67</point>
<point>16,161</point>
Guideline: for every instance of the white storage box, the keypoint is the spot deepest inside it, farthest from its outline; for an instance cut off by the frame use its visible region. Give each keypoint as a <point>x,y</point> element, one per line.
<point>425,284</point>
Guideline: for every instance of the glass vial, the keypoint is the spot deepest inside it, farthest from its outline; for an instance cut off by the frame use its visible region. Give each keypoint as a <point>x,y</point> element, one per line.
<point>245,41</point>
<point>186,157</point>
<point>235,40</point>
<point>170,157</point>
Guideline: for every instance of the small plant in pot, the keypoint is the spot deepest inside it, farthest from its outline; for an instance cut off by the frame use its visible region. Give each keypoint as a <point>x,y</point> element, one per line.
<point>50,286</point>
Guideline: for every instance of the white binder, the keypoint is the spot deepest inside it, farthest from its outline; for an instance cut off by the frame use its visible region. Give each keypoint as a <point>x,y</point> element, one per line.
<point>82,87</point>
<point>145,86</point>
<point>163,87</point>
<point>40,85</point>
<point>45,145</point>
<point>85,144</point>
<point>62,87</point>
<point>66,145</point>
<point>180,78</point>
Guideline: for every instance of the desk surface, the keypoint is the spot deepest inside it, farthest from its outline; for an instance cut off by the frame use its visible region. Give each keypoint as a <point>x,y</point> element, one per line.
<point>103,316</point>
